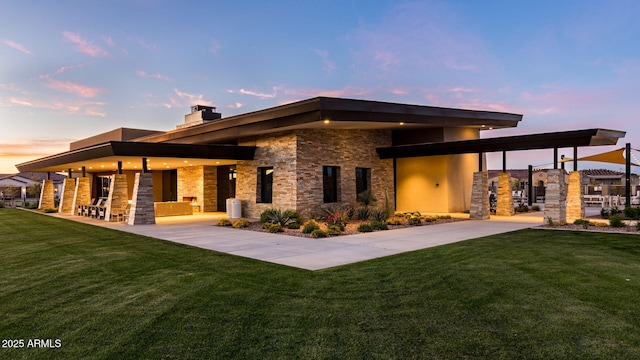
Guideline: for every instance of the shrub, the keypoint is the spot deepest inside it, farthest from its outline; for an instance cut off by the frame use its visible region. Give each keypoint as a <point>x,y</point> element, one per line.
<point>631,212</point>
<point>365,227</point>
<point>429,219</point>
<point>615,211</point>
<point>50,210</point>
<point>585,223</point>
<point>379,215</point>
<point>616,221</point>
<point>1,205</point>
<point>367,198</point>
<point>410,214</point>
<point>445,217</point>
<point>275,228</point>
<point>318,233</point>
<point>379,225</point>
<point>535,208</point>
<point>224,222</point>
<point>362,213</point>
<point>522,208</point>
<point>334,230</point>
<point>549,221</point>
<point>414,221</point>
<point>277,216</point>
<point>294,225</point>
<point>604,213</point>
<point>638,225</point>
<point>310,226</point>
<point>240,223</point>
<point>338,217</point>
<point>394,221</point>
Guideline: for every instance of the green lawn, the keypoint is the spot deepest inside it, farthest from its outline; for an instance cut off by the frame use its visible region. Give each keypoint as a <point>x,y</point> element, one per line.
<point>105,294</point>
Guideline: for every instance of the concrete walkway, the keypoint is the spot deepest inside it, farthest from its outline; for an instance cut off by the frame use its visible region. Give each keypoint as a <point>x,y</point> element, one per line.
<point>314,254</point>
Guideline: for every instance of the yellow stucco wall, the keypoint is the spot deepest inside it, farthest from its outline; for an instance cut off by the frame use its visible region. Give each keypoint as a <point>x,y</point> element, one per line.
<point>437,183</point>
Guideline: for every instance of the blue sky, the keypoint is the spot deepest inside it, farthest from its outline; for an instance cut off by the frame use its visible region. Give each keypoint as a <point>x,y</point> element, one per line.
<point>71,69</point>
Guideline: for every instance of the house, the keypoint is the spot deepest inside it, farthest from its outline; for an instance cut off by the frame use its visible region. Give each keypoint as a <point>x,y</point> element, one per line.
<point>21,184</point>
<point>607,182</point>
<point>303,155</point>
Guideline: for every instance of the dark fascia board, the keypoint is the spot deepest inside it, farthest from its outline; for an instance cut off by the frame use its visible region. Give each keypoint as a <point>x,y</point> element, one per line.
<point>142,149</point>
<point>334,109</point>
<point>575,138</point>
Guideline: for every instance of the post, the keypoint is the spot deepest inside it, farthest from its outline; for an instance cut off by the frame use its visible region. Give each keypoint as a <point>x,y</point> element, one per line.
<point>480,161</point>
<point>575,158</point>
<point>562,162</point>
<point>84,171</point>
<point>144,165</point>
<point>627,191</point>
<point>530,186</point>
<point>69,172</point>
<point>555,158</point>
<point>119,167</point>
<point>504,161</point>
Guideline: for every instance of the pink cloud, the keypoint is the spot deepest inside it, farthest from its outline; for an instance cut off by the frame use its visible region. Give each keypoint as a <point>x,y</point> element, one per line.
<point>14,88</point>
<point>159,76</point>
<point>84,46</point>
<point>260,95</point>
<point>327,65</point>
<point>16,46</point>
<point>185,99</point>
<point>71,107</point>
<point>108,40</point>
<point>73,88</point>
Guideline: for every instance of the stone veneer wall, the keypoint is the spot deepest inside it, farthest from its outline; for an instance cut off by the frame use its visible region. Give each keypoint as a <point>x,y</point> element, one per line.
<point>142,211</point>
<point>66,199</point>
<point>505,196</point>
<point>200,182</point>
<point>46,195</point>
<point>278,151</point>
<point>297,160</point>
<point>575,202</point>
<point>118,195</point>
<point>480,207</point>
<point>82,195</point>
<point>555,204</point>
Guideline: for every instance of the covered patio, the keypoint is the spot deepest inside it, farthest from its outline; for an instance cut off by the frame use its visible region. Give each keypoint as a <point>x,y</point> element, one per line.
<point>137,181</point>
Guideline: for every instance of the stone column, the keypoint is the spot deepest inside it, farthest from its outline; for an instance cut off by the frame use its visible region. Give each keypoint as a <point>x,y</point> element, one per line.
<point>480,207</point>
<point>142,212</point>
<point>575,202</point>
<point>555,205</point>
<point>46,195</point>
<point>66,199</point>
<point>118,195</point>
<point>505,197</point>
<point>82,195</point>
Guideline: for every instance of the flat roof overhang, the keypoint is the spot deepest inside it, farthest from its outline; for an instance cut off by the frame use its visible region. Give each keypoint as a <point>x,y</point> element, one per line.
<point>160,156</point>
<point>563,139</point>
<point>335,113</point>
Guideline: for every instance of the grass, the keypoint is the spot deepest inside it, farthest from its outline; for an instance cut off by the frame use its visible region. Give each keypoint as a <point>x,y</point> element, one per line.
<point>532,294</point>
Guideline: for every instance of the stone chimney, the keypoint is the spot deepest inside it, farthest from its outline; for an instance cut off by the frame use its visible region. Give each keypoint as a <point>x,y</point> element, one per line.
<point>200,114</point>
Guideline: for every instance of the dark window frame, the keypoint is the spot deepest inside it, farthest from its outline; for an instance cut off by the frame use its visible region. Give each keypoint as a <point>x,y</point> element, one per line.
<point>330,184</point>
<point>264,188</point>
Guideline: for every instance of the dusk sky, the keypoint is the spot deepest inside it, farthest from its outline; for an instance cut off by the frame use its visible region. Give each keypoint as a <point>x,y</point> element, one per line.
<point>72,69</point>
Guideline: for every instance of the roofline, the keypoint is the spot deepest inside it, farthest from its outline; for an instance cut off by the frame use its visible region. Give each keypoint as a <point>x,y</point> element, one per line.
<point>141,149</point>
<point>564,139</point>
<point>301,113</point>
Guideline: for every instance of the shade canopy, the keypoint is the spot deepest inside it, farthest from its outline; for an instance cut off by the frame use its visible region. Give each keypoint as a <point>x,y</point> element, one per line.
<point>616,156</point>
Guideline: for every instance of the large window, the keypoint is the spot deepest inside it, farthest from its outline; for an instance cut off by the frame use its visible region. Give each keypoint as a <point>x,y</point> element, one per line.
<point>265,185</point>
<point>330,183</point>
<point>363,180</point>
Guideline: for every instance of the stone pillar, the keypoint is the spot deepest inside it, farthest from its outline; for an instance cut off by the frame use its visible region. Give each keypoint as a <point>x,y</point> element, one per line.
<point>142,211</point>
<point>66,199</point>
<point>555,205</point>
<point>118,195</point>
<point>505,197</point>
<point>82,195</point>
<point>575,202</point>
<point>480,207</point>
<point>46,195</point>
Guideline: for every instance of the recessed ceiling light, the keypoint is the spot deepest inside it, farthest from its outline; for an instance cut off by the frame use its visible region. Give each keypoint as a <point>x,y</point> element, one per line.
<point>327,121</point>
<point>401,123</point>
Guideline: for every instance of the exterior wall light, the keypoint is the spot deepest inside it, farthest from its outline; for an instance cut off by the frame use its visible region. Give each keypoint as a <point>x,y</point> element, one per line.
<point>326,121</point>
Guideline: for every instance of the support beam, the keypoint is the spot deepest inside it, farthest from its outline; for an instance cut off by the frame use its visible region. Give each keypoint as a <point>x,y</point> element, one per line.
<point>480,161</point>
<point>627,192</point>
<point>119,167</point>
<point>555,158</point>
<point>84,171</point>
<point>504,161</point>
<point>145,167</point>
<point>530,186</point>
<point>575,158</point>
<point>480,207</point>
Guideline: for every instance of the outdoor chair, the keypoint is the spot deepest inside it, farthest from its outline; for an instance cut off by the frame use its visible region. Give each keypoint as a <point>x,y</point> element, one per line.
<point>93,209</point>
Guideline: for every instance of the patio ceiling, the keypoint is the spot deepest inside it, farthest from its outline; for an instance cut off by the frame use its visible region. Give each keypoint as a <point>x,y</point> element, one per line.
<point>564,139</point>
<point>160,156</point>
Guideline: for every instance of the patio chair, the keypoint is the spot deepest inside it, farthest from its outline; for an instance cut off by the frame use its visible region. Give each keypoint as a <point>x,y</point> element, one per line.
<point>93,209</point>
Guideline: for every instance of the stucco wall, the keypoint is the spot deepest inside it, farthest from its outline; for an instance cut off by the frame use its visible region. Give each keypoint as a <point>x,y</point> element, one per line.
<point>437,183</point>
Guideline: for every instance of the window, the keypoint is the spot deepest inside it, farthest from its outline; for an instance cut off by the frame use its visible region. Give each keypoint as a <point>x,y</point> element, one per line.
<point>330,183</point>
<point>363,180</point>
<point>265,185</point>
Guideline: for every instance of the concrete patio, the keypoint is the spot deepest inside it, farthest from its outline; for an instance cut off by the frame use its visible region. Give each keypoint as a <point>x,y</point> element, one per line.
<point>314,254</point>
